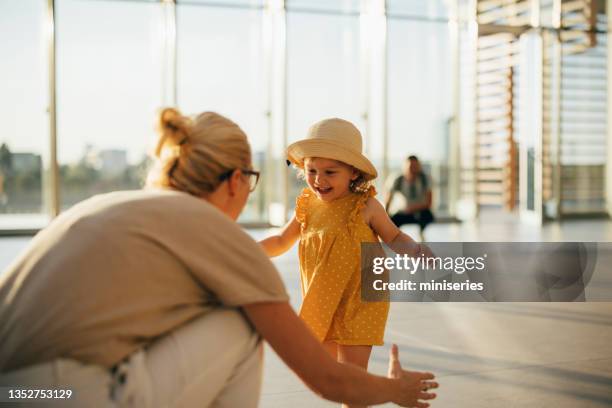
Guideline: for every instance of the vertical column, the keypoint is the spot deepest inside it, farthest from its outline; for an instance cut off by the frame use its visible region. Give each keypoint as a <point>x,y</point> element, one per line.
<point>531,126</point>
<point>539,120</point>
<point>556,58</point>
<point>385,94</point>
<point>373,27</point>
<point>51,172</point>
<point>467,205</point>
<point>609,109</point>
<point>474,139</point>
<point>276,172</point>
<point>534,13</point>
<point>454,168</point>
<point>169,75</point>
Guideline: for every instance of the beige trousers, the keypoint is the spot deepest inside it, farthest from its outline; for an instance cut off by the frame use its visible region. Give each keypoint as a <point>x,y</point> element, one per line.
<point>213,361</point>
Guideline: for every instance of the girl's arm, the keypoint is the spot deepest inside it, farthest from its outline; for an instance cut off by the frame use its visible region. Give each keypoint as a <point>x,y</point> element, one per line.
<point>378,219</point>
<point>388,197</point>
<point>280,243</point>
<point>297,347</point>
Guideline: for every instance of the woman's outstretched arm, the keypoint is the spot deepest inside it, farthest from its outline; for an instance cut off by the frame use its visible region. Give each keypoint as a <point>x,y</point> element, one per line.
<point>280,243</point>
<point>294,343</point>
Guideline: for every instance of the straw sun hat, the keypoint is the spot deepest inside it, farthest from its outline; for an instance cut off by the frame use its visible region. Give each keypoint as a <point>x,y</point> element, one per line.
<point>335,139</point>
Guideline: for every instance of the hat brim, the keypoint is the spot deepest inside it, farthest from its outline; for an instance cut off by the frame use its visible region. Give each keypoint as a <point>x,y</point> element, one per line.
<point>298,151</point>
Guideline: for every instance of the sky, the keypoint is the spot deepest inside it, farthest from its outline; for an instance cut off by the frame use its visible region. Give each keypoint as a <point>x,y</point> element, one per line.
<point>110,73</point>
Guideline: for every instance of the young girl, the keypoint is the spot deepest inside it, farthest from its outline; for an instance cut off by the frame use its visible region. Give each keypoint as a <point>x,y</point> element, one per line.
<point>333,216</point>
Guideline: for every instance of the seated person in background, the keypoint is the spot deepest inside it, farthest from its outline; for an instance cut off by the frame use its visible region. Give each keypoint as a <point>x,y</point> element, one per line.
<point>415,187</point>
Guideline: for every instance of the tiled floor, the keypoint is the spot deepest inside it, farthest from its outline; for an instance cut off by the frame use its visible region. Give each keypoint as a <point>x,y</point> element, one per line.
<point>484,354</point>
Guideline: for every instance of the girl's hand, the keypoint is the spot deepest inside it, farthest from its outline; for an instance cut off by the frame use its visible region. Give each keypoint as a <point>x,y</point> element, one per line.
<point>413,385</point>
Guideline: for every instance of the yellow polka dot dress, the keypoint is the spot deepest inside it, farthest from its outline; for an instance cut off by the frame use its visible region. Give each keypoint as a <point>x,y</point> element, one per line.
<point>329,250</point>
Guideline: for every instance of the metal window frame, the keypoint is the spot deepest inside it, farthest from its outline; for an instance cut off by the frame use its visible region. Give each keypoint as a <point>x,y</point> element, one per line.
<point>52,190</point>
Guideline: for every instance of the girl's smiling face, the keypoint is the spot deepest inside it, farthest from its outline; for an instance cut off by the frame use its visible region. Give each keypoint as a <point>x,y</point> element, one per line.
<point>329,179</point>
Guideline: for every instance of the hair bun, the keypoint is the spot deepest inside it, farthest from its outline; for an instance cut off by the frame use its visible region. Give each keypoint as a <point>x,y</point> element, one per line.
<point>173,129</point>
<point>168,117</point>
<point>214,144</point>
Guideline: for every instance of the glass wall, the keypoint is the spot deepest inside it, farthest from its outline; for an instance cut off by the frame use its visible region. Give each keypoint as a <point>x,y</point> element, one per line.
<point>275,67</point>
<point>576,121</point>
<point>113,75</point>
<point>324,74</point>
<point>24,137</point>
<point>420,109</point>
<point>428,10</point>
<point>222,67</point>
<point>583,130</point>
<point>109,88</point>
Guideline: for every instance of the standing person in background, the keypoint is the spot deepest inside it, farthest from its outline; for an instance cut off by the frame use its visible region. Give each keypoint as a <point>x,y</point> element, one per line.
<point>415,187</point>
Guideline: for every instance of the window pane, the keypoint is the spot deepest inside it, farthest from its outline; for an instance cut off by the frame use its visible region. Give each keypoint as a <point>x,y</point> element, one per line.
<point>420,100</point>
<point>224,3</point>
<point>323,75</point>
<point>337,6</point>
<point>23,104</point>
<point>584,129</point>
<point>221,68</point>
<point>109,91</point>
<point>432,9</point>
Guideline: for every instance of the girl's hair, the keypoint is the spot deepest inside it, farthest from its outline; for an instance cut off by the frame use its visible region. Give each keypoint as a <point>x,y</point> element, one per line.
<point>192,154</point>
<point>359,185</point>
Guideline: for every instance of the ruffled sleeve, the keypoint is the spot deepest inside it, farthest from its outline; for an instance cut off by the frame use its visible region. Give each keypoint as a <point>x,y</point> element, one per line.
<point>355,217</point>
<point>302,203</point>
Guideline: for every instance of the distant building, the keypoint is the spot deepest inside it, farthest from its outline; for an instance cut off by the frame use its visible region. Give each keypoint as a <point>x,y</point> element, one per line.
<point>24,162</point>
<point>112,161</point>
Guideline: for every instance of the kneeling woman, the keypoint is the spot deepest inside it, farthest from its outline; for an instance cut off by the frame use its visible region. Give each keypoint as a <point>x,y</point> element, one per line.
<point>158,298</point>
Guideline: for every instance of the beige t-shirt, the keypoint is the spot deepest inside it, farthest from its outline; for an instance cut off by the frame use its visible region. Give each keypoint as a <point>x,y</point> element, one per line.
<point>121,269</point>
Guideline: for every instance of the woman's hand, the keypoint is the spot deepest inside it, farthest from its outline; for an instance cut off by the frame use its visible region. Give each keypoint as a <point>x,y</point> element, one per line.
<point>413,385</point>
<point>297,347</point>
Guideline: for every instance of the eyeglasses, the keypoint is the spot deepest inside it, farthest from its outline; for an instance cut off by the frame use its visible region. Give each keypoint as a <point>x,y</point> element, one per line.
<point>253,176</point>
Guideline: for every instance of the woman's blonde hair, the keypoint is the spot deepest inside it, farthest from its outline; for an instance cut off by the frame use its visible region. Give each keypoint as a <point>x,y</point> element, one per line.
<point>192,154</point>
